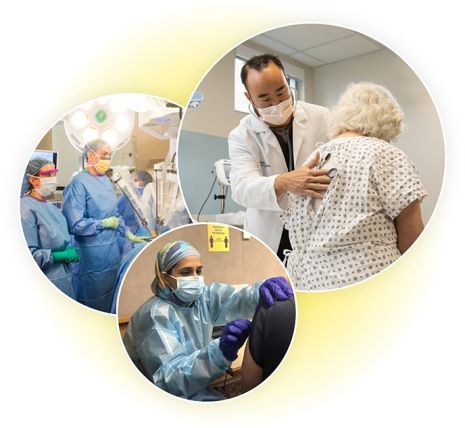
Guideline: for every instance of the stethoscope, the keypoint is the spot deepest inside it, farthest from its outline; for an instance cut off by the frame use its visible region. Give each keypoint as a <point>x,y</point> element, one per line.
<point>332,172</point>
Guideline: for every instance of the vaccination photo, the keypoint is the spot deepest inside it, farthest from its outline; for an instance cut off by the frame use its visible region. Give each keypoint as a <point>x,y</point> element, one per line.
<point>100,185</point>
<point>206,312</point>
<point>321,142</point>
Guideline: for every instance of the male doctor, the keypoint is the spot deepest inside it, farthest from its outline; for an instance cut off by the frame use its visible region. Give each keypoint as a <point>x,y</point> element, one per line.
<point>269,147</point>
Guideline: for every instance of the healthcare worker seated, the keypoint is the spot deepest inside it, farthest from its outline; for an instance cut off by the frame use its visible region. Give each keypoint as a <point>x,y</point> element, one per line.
<point>169,338</point>
<point>89,206</point>
<point>44,226</point>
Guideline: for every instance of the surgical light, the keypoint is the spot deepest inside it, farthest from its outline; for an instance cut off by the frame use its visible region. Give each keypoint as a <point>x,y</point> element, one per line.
<point>79,119</point>
<point>121,123</point>
<point>101,116</point>
<point>108,118</point>
<point>90,134</point>
<point>110,136</point>
<point>118,105</point>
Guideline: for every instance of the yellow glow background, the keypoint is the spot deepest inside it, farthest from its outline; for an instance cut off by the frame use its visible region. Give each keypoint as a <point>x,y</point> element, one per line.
<point>340,335</point>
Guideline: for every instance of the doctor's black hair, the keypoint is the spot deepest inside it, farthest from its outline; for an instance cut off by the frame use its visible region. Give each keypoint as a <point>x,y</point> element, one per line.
<point>258,63</point>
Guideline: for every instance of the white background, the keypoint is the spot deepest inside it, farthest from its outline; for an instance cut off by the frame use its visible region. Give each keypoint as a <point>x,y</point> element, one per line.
<point>49,377</point>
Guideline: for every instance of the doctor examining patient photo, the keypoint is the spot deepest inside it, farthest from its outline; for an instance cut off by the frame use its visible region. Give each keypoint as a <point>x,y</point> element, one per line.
<point>269,140</point>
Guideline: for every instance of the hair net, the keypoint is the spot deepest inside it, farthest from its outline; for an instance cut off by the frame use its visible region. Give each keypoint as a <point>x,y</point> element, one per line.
<point>32,168</point>
<point>171,254</point>
<point>144,176</point>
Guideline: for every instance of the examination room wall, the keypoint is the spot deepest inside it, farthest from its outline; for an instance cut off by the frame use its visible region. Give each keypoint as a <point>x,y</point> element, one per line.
<point>205,131</point>
<point>247,262</point>
<point>423,139</point>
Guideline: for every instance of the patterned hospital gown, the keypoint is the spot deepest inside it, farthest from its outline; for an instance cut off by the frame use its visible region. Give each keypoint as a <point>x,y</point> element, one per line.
<point>350,235</point>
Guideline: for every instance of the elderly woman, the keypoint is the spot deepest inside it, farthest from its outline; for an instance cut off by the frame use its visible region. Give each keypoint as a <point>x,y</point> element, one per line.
<point>370,213</point>
<point>89,206</point>
<point>169,338</point>
<point>45,227</point>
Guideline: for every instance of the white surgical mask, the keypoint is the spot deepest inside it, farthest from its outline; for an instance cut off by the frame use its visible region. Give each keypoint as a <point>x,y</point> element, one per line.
<point>278,114</point>
<point>189,288</point>
<point>47,186</point>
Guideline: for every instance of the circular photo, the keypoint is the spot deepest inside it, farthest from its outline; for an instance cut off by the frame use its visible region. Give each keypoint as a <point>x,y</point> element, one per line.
<point>320,141</point>
<point>101,183</point>
<point>206,312</point>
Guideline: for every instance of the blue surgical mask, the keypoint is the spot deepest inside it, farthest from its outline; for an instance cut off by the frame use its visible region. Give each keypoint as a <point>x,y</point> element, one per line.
<point>189,288</point>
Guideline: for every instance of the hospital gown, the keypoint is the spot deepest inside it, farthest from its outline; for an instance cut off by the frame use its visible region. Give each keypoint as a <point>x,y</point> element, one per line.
<point>350,235</point>
<point>45,230</point>
<point>86,201</point>
<point>172,345</point>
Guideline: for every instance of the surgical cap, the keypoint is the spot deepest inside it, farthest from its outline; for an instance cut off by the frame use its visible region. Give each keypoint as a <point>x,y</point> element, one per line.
<point>171,254</point>
<point>144,176</point>
<point>33,167</point>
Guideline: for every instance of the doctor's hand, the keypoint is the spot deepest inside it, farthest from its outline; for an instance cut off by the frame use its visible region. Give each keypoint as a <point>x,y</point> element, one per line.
<point>274,290</point>
<point>136,239</point>
<point>305,180</point>
<point>233,337</point>
<point>110,222</point>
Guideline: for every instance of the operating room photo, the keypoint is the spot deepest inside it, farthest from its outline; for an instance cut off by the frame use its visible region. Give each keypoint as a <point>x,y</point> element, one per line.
<point>99,186</point>
<point>320,141</point>
<point>206,312</point>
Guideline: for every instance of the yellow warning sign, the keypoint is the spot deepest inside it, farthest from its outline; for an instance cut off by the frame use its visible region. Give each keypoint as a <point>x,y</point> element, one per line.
<point>218,237</point>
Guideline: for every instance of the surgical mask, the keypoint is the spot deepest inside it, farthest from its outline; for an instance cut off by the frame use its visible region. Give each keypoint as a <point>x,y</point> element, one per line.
<point>102,166</point>
<point>278,114</point>
<point>47,186</point>
<point>189,288</point>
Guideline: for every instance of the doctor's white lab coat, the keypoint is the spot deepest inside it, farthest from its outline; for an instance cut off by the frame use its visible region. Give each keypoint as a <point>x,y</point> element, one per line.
<point>257,159</point>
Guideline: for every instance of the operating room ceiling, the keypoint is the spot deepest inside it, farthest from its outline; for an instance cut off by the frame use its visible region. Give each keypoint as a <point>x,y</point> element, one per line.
<point>315,45</point>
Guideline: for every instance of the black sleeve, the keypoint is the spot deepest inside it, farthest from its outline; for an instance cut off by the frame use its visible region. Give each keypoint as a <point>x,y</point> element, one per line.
<point>271,334</point>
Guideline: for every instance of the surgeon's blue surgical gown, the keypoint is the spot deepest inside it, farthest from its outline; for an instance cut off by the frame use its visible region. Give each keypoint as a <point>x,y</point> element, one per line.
<point>45,230</point>
<point>86,201</point>
<point>172,345</point>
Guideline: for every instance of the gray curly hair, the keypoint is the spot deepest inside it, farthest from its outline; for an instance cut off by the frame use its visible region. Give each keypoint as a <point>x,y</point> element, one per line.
<point>369,109</point>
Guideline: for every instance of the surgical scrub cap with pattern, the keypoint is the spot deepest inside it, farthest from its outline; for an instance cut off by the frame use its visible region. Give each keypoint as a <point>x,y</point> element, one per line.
<point>171,254</point>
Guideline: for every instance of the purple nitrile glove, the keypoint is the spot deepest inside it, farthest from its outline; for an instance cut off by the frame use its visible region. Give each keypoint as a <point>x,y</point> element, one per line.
<point>233,337</point>
<point>274,290</point>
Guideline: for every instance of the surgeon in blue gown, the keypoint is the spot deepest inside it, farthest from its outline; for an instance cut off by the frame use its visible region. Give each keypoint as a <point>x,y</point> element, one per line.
<point>44,226</point>
<point>169,338</point>
<point>89,206</point>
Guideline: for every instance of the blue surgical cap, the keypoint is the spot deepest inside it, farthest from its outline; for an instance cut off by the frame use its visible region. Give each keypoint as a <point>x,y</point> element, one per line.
<point>144,176</point>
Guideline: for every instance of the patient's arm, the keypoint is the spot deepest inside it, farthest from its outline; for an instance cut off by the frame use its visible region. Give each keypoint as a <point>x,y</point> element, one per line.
<point>251,373</point>
<point>409,225</point>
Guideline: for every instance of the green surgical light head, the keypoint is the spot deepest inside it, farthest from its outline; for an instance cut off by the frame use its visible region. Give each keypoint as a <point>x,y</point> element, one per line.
<point>100,116</point>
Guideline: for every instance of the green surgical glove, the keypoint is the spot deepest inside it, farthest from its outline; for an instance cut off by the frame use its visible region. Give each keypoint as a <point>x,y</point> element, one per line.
<point>110,222</point>
<point>68,255</point>
<point>136,239</point>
